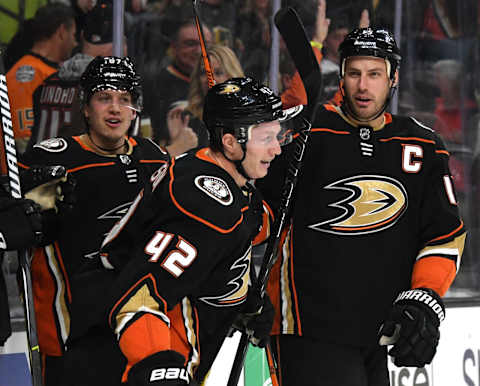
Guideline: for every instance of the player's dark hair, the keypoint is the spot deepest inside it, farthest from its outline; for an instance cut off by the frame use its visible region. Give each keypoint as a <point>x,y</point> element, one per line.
<point>49,18</point>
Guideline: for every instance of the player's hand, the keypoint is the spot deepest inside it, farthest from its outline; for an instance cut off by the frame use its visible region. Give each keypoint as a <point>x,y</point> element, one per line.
<point>364,19</point>
<point>165,368</point>
<point>413,327</point>
<point>322,23</point>
<point>257,325</point>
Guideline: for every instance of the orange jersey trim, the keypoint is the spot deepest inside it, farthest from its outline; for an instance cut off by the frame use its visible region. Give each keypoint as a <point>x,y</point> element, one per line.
<point>172,70</point>
<point>294,287</point>
<point>199,219</point>
<point>442,152</point>
<point>331,131</point>
<point>407,139</point>
<point>434,272</point>
<point>90,166</point>
<point>449,234</point>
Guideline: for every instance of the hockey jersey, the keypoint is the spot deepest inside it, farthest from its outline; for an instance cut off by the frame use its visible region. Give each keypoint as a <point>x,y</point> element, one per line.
<point>68,279</point>
<point>22,80</point>
<point>375,214</point>
<point>56,102</point>
<point>184,252</point>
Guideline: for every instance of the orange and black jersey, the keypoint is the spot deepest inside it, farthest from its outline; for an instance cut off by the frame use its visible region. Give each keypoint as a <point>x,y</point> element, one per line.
<point>67,279</point>
<point>22,80</point>
<point>184,247</point>
<point>375,213</point>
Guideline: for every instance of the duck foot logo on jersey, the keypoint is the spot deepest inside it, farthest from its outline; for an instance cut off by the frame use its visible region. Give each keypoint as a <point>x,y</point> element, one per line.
<point>375,203</point>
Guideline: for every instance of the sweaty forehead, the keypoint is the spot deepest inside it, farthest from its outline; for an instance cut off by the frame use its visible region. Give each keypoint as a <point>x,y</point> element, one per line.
<point>365,62</point>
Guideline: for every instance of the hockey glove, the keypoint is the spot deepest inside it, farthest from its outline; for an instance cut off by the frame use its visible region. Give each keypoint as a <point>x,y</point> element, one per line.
<point>257,325</point>
<point>413,327</point>
<point>43,184</point>
<point>165,368</point>
<point>24,222</point>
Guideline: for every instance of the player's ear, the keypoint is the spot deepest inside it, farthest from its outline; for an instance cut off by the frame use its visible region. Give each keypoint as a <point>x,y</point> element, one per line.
<point>229,143</point>
<point>395,79</point>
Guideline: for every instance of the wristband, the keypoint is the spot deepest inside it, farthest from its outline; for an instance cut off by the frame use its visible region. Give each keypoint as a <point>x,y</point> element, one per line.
<point>316,44</point>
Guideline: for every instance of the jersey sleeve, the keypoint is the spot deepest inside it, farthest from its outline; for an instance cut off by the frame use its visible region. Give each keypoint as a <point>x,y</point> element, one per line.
<point>442,230</point>
<point>296,95</point>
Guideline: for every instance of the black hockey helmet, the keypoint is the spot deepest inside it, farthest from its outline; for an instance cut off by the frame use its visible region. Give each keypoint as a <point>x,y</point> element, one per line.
<point>377,42</point>
<point>238,104</point>
<point>111,73</point>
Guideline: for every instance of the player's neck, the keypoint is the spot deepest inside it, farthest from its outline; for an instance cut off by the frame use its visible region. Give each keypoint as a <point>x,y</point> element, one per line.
<point>228,166</point>
<point>99,147</point>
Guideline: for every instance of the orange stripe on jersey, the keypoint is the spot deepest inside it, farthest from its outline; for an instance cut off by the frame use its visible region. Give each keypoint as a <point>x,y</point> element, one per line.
<point>44,291</point>
<point>144,337</point>
<point>64,271</point>
<point>147,335</point>
<point>203,154</point>
<point>407,139</point>
<point>442,152</point>
<point>330,107</point>
<point>152,161</point>
<point>265,230</point>
<point>23,166</point>
<point>273,289</point>
<point>172,70</point>
<point>459,228</point>
<point>180,341</point>
<point>370,226</point>
<point>90,166</point>
<point>331,131</point>
<point>199,219</point>
<point>434,272</point>
<point>388,118</point>
<point>132,141</point>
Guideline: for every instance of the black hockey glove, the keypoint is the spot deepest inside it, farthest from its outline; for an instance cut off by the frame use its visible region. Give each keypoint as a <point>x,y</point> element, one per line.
<point>257,325</point>
<point>21,224</point>
<point>49,186</point>
<point>413,327</point>
<point>165,368</point>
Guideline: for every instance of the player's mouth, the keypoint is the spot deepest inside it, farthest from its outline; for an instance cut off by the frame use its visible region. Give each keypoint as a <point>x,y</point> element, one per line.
<point>362,101</point>
<point>113,122</point>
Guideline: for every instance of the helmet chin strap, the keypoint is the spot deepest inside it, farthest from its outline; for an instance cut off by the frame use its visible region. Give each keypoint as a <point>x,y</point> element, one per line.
<point>238,163</point>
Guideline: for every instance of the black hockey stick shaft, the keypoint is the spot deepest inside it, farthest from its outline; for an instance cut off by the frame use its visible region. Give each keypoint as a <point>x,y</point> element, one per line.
<point>293,32</point>
<point>9,166</point>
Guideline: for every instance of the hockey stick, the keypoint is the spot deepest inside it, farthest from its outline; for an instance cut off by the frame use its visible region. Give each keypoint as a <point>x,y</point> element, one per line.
<point>201,38</point>
<point>291,28</point>
<point>9,165</point>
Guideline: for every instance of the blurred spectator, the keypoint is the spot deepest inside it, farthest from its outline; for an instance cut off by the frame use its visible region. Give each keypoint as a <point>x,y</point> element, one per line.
<point>454,107</point>
<point>56,105</point>
<point>53,32</point>
<point>12,15</point>
<point>330,65</point>
<point>81,8</point>
<point>220,15</point>
<point>171,83</point>
<point>185,121</point>
<point>253,37</point>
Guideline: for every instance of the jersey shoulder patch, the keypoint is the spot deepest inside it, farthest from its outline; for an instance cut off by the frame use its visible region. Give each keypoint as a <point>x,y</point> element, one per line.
<point>215,187</point>
<point>52,145</point>
<point>25,74</point>
<point>205,193</point>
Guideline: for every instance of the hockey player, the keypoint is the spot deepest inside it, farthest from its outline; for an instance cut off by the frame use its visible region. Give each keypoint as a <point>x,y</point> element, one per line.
<point>184,264</point>
<point>109,168</point>
<point>375,238</point>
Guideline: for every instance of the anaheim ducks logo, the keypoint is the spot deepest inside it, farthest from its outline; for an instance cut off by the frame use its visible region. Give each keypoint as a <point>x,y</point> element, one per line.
<point>375,203</point>
<point>238,294</point>
<point>229,89</point>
